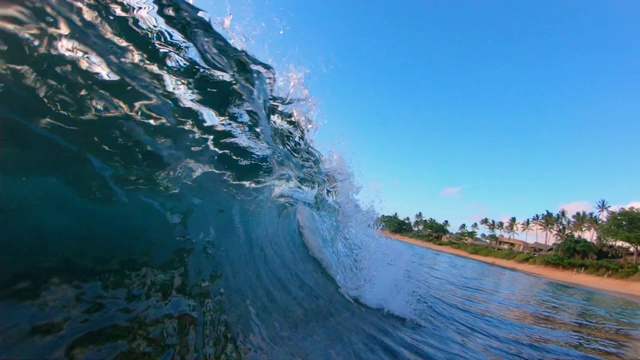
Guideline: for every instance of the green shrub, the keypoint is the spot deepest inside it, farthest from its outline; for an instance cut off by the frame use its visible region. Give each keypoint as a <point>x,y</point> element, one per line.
<point>608,265</point>
<point>595,271</point>
<point>602,271</point>
<point>553,260</point>
<point>521,258</point>
<point>485,252</point>
<point>474,250</point>
<point>596,267</point>
<point>511,255</point>
<point>625,273</point>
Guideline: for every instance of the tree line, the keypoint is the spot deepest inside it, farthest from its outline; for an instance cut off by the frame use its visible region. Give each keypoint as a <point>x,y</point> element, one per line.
<point>580,235</point>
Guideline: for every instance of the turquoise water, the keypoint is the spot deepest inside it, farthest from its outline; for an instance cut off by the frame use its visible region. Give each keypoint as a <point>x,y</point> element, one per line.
<point>160,197</point>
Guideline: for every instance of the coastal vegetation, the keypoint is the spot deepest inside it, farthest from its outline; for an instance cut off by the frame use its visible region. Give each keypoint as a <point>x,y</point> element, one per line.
<point>603,242</point>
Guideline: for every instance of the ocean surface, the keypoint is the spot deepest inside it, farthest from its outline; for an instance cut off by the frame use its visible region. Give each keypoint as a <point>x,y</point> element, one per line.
<point>161,198</point>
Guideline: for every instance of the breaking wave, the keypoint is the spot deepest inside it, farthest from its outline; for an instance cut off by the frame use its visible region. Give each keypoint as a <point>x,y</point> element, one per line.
<point>160,197</point>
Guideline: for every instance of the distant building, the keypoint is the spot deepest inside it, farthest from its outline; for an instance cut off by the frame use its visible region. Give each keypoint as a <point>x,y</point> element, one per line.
<point>539,248</point>
<point>477,241</point>
<point>510,244</point>
<point>504,243</point>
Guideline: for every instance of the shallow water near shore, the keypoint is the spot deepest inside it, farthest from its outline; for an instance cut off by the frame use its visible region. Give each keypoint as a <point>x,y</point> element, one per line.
<point>160,198</point>
<point>498,307</point>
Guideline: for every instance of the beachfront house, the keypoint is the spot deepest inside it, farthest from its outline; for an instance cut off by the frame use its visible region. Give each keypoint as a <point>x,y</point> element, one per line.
<point>539,248</point>
<point>477,241</point>
<point>504,243</point>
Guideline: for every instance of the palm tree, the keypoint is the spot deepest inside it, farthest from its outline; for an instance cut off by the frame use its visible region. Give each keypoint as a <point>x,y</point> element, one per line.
<point>463,227</point>
<point>562,218</point>
<point>526,226</point>
<point>492,226</point>
<point>602,206</point>
<point>579,222</point>
<point>446,224</point>
<point>592,225</point>
<point>474,226</point>
<point>535,220</point>
<point>419,218</point>
<point>561,232</point>
<point>548,223</point>
<point>485,222</point>
<point>512,227</point>
<point>500,226</point>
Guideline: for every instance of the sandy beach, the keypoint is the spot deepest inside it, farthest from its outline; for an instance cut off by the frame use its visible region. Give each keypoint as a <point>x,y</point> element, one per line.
<point>629,289</point>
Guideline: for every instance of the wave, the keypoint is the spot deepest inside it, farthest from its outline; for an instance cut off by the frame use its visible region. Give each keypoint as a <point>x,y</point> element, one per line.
<point>160,197</point>
<point>154,179</point>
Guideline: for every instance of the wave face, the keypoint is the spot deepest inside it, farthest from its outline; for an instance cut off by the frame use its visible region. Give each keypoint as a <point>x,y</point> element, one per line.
<point>160,199</point>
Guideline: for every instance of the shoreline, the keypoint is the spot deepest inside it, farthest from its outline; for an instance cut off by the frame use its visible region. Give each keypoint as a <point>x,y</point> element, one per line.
<point>627,289</point>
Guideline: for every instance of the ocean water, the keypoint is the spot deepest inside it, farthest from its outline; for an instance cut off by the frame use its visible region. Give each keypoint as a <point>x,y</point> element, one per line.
<point>160,197</point>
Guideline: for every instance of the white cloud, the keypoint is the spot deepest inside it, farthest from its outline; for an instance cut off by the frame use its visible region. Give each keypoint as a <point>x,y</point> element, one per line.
<point>451,191</point>
<point>576,206</point>
<point>634,204</point>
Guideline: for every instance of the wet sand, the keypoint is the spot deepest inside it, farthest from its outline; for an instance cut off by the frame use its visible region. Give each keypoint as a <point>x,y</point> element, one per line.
<point>629,289</point>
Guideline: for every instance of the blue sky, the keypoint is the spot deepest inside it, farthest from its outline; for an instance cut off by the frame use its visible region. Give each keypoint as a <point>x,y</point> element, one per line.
<point>466,109</point>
